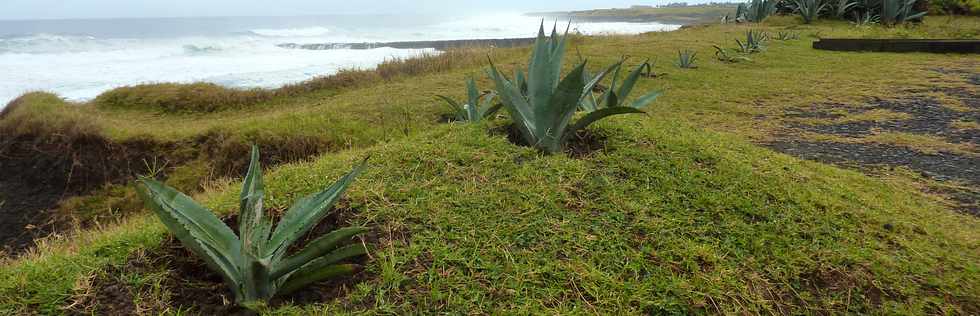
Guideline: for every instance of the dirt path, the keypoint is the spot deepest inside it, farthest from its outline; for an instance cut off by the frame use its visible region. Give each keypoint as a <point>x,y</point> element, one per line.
<point>934,132</point>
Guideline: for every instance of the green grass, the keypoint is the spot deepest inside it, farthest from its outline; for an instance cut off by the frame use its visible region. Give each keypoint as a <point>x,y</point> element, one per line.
<point>679,214</point>
<point>670,15</point>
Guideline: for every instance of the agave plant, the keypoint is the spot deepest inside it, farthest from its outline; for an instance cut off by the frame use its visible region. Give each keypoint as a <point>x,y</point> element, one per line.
<point>686,59</point>
<point>842,7</point>
<point>723,55</point>
<point>756,11</point>
<point>478,106</point>
<point>542,104</point>
<point>754,42</point>
<point>810,9</point>
<point>898,11</point>
<point>617,93</point>
<point>255,265</point>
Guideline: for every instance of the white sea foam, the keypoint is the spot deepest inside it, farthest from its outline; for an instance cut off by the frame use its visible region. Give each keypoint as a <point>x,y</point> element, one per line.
<point>293,32</point>
<point>79,67</point>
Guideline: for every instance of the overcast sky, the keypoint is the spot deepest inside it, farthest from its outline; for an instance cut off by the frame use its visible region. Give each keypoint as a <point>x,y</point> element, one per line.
<point>54,9</point>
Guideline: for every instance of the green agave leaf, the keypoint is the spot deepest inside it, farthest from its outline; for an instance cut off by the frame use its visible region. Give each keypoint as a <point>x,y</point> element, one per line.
<point>257,284</point>
<point>315,249</point>
<point>645,100</point>
<point>307,212</point>
<point>566,99</point>
<point>589,103</point>
<point>632,78</point>
<point>598,115</point>
<point>544,71</point>
<point>473,95</point>
<point>301,280</point>
<point>253,225</point>
<point>492,110</point>
<point>196,227</point>
<point>457,109</point>
<point>590,85</point>
<point>521,81</point>
<point>609,95</point>
<point>487,108</point>
<point>613,99</point>
<point>309,273</point>
<point>516,104</point>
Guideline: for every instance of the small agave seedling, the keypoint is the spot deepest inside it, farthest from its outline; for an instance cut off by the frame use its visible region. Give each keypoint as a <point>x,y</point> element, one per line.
<point>255,266</point>
<point>542,104</point>
<point>686,59</point>
<point>617,93</point>
<point>477,107</point>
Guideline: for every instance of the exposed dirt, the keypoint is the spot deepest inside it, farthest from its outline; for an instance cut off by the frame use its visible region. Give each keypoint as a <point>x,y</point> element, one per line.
<point>927,116</point>
<point>942,166</point>
<point>39,171</point>
<point>43,169</point>
<point>186,284</point>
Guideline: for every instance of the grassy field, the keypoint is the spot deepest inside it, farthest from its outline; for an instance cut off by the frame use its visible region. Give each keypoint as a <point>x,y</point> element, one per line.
<point>679,212</point>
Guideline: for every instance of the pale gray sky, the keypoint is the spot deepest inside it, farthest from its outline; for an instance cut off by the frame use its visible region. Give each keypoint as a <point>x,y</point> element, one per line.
<point>48,9</point>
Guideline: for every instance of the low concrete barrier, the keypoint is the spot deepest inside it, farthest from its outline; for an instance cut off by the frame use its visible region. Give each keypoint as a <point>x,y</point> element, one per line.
<point>899,45</point>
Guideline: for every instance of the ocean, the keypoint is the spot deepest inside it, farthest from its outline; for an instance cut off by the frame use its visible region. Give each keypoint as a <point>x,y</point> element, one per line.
<point>79,59</point>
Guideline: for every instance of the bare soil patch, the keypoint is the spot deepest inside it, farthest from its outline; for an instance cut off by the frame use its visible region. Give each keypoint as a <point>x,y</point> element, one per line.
<point>926,116</point>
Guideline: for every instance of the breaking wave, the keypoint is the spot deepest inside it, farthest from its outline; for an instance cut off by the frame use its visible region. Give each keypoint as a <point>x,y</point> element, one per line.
<point>293,32</point>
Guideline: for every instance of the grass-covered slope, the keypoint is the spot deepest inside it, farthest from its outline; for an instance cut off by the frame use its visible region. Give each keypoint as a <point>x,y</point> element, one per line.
<point>668,219</point>
<point>678,213</point>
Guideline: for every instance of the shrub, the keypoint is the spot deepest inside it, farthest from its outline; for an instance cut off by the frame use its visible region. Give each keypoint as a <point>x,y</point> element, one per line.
<point>255,266</point>
<point>965,7</point>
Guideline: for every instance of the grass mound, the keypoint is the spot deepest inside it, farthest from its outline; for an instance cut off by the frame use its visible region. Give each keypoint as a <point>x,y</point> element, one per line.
<point>173,97</point>
<point>667,219</point>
